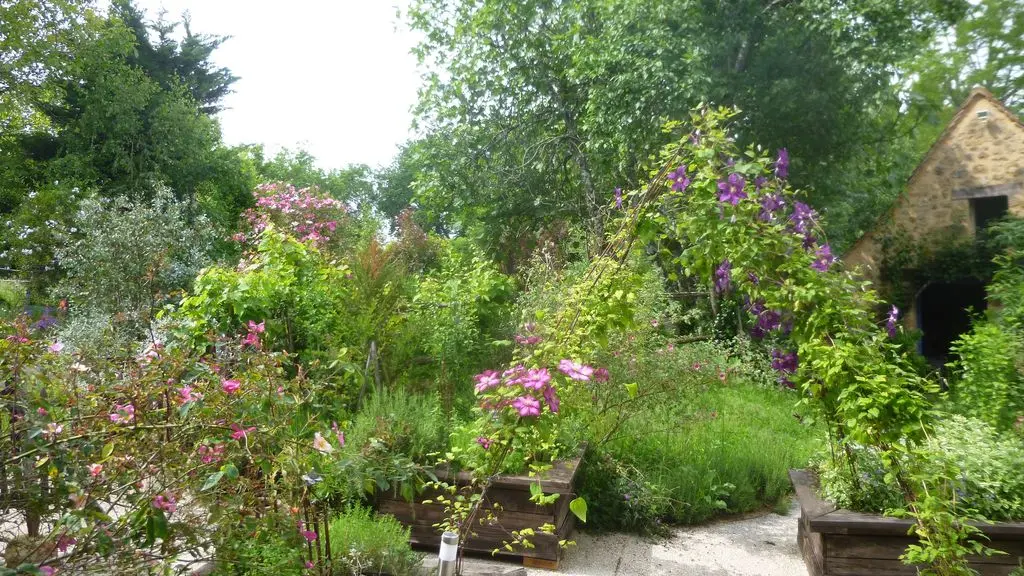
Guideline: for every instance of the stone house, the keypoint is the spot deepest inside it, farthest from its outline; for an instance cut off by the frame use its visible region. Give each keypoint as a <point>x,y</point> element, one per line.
<point>972,175</point>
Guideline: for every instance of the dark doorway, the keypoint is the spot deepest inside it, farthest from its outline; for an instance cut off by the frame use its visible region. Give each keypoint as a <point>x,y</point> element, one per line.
<point>944,312</point>
<point>988,210</point>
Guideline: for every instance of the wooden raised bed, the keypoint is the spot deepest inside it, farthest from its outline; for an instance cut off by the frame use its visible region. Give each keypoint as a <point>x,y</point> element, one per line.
<point>512,494</point>
<point>838,542</point>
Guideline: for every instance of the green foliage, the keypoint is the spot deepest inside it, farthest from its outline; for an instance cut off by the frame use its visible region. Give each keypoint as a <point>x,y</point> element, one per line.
<point>362,542</point>
<point>990,363</point>
<point>12,298</point>
<point>981,465</point>
<point>127,259</point>
<point>413,425</point>
<point>704,448</point>
<point>458,310</point>
<point>568,98</point>
<point>268,552</point>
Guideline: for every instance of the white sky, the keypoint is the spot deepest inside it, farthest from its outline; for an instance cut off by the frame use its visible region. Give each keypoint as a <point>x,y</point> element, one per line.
<point>332,76</point>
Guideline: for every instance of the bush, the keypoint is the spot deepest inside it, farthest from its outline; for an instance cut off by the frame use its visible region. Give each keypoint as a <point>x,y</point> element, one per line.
<point>409,424</point>
<point>129,258</point>
<point>364,543</point>
<point>989,483</point>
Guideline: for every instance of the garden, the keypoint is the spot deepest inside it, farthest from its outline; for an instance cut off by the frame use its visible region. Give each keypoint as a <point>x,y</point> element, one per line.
<point>216,362</point>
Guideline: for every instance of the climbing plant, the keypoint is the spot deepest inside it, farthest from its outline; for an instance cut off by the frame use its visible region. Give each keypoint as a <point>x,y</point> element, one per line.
<point>733,222</point>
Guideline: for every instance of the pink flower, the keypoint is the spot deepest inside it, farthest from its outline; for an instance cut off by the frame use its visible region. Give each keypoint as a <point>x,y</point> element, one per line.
<point>187,395</point>
<point>230,386</point>
<point>308,565</point>
<point>309,535</point>
<point>56,347</point>
<point>602,375</point>
<point>486,381</point>
<point>95,469</point>
<point>42,411</point>
<point>165,502</point>
<point>257,328</point>
<point>527,406</point>
<point>536,379</point>
<point>320,444</point>
<point>211,454</point>
<point>241,433</point>
<point>338,433</point>
<point>551,397</point>
<point>575,370</point>
<point>123,414</point>
<point>251,339</point>
<point>484,442</point>
<point>65,542</point>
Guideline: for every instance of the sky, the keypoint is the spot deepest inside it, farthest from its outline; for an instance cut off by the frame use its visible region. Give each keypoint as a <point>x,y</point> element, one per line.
<point>334,77</point>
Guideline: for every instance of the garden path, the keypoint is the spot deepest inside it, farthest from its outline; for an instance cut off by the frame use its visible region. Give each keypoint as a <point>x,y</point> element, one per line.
<point>762,544</point>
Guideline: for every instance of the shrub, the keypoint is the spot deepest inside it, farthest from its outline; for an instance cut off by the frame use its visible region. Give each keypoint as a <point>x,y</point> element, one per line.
<point>129,258</point>
<point>988,485</point>
<point>410,424</point>
<point>364,543</point>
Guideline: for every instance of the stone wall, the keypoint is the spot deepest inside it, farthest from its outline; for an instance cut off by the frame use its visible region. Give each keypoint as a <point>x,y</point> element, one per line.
<point>980,154</point>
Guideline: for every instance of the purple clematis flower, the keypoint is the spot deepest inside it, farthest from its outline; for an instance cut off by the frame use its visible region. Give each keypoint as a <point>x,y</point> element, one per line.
<point>679,179</point>
<point>618,198</point>
<point>770,204</point>
<point>823,258</point>
<point>527,406</point>
<point>890,321</point>
<point>731,189</point>
<point>782,164</point>
<point>723,277</point>
<point>784,362</point>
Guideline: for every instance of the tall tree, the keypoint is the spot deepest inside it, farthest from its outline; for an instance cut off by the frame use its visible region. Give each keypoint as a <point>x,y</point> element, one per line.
<point>186,62</point>
<point>561,100</point>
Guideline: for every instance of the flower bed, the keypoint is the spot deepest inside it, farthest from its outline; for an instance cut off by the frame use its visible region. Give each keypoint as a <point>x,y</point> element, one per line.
<point>838,542</point>
<point>514,511</point>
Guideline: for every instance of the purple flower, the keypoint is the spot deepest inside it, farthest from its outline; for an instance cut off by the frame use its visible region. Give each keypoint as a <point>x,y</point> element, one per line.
<point>782,164</point>
<point>731,189</point>
<point>527,406</point>
<point>537,379</point>
<point>723,277</point>
<point>759,183</point>
<point>767,321</point>
<point>890,321</point>
<point>679,179</point>
<point>753,278</point>
<point>784,362</point>
<point>802,219</point>
<point>770,204</point>
<point>602,375</point>
<point>823,259</point>
<point>486,381</point>
<point>618,198</point>
<point>484,442</point>
<point>575,370</point>
<point>551,397</point>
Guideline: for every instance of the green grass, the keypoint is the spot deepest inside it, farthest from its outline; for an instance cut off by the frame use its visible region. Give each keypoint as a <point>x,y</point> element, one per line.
<point>715,448</point>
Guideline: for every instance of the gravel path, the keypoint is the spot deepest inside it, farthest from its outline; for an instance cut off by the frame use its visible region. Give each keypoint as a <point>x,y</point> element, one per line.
<point>754,545</point>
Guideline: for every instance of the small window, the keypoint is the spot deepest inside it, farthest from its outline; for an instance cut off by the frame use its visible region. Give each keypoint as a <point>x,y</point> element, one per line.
<point>988,210</point>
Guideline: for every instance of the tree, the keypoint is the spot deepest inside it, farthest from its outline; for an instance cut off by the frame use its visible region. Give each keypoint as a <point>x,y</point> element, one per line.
<point>171,62</point>
<point>561,100</point>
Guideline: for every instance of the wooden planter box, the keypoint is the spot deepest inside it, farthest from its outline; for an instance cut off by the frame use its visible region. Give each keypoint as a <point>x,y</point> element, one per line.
<point>837,542</point>
<point>512,494</point>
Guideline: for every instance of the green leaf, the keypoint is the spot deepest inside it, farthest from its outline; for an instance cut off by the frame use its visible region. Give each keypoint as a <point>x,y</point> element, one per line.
<point>230,471</point>
<point>212,481</point>
<point>633,389</point>
<point>108,449</point>
<point>578,506</point>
